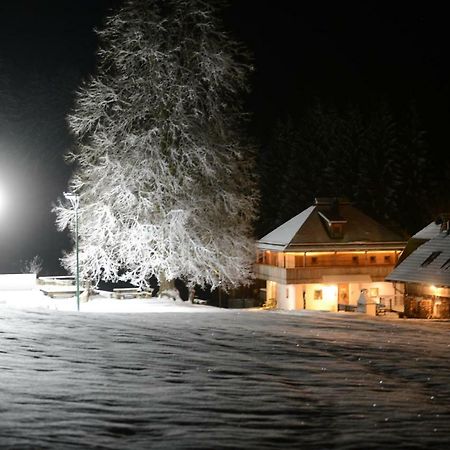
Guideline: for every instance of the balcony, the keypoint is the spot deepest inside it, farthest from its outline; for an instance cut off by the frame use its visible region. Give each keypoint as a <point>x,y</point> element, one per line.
<point>300,275</point>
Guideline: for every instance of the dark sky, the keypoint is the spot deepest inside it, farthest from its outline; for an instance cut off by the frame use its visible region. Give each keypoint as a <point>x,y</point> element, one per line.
<point>340,52</point>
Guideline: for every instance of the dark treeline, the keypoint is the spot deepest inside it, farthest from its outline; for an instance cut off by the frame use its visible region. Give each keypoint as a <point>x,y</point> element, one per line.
<point>379,160</point>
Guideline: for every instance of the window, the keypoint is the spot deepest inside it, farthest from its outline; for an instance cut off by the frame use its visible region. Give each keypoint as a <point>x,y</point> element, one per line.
<point>314,260</point>
<point>287,292</point>
<point>336,230</point>
<point>318,294</point>
<point>430,259</point>
<point>387,259</point>
<point>373,292</point>
<point>446,265</point>
<point>373,259</point>
<point>355,260</point>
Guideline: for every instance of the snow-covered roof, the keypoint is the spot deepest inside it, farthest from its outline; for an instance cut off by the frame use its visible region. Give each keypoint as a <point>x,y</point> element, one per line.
<point>422,236</point>
<point>429,232</point>
<point>308,231</point>
<point>427,264</point>
<point>285,233</point>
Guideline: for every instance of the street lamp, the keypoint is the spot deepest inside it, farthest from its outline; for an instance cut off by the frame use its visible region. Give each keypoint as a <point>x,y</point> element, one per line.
<point>74,200</point>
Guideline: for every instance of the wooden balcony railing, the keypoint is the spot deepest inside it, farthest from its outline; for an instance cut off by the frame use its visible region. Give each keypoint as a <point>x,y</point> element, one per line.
<point>314,274</point>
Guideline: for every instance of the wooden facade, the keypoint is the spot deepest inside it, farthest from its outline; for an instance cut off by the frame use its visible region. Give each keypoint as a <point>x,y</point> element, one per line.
<point>313,274</point>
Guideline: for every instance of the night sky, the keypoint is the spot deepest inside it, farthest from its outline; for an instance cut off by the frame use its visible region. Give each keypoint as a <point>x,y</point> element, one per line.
<point>340,52</point>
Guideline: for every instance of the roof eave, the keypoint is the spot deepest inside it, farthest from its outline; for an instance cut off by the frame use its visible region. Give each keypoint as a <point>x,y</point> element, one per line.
<point>315,246</point>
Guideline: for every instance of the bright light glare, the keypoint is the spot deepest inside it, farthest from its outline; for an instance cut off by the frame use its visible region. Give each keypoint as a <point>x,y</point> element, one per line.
<point>2,200</point>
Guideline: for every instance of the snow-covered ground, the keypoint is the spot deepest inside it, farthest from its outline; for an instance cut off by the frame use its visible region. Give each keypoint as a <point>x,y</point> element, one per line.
<point>97,303</point>
<point>222,379</point>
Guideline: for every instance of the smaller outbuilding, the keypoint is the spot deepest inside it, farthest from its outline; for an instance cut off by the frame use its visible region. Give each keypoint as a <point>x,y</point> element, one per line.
<point>424,268</point>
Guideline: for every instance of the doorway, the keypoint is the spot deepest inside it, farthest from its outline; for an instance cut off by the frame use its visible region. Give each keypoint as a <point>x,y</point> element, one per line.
<point>343,293</point>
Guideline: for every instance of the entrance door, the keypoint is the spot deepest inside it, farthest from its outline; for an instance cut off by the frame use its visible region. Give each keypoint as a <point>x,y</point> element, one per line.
<point>343,294</point>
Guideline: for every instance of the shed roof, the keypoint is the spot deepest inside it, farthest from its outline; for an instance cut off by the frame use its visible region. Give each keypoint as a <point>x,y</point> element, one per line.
<point>429,232</point>
<point>307,231</point>
<point>428,264</point>
<point>422,236</point>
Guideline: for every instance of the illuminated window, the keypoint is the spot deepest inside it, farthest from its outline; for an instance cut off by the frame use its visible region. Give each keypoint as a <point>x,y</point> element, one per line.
<point>373,292</point>
<point>430,259</point>
<point>318,294</point>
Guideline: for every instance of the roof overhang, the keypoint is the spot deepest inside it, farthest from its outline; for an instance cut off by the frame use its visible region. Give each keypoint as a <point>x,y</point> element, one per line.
<point>332,247</point>
<point>423,280</point>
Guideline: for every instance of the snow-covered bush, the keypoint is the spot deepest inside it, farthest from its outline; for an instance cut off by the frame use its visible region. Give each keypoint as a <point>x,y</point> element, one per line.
<point>33,265</point>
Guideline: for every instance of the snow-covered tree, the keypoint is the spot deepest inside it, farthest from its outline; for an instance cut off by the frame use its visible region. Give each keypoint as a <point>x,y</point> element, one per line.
<point>33,265</point>
<point>164,178</point>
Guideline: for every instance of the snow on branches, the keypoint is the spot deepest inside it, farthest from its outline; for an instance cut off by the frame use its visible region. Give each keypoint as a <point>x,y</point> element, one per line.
<point>166,186</point>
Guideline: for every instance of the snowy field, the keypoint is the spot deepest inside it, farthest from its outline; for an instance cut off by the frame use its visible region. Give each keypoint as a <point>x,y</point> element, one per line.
<point>222,379</point>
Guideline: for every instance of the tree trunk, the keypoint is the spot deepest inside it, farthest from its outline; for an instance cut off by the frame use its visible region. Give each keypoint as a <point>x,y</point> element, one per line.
<point>85,295</point>
<point>191,294</point>
<point>166,287</point>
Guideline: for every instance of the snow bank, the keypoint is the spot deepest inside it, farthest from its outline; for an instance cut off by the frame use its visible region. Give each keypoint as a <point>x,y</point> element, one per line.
<point>99,303</point>
<point>17,281</point>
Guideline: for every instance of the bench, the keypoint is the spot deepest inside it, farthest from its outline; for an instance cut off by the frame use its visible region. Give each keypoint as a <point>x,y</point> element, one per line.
<point>60,293</point>
<point>57,280</point>
<point>121,293</point>
<point>348,308</point>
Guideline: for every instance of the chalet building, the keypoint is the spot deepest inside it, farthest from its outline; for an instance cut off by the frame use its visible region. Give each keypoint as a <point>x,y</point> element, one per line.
<point>330,256</point>
<point>424,268</point>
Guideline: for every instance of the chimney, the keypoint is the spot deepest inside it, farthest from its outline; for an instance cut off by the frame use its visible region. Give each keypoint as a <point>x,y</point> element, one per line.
<point>444,221</point>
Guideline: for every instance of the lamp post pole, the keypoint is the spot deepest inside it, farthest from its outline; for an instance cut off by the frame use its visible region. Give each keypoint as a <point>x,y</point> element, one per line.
<point>75,202</point>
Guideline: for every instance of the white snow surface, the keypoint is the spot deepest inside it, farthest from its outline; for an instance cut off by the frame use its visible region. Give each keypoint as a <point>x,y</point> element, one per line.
<point>429,232</point>
<point>97,303</point>
<point>284,234</point>
<point>223,379</point>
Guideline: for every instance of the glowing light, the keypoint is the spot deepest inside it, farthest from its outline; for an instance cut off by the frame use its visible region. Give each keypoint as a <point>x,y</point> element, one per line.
<point>3,199</point>
<point>434,290</point>
<point>329,292</point>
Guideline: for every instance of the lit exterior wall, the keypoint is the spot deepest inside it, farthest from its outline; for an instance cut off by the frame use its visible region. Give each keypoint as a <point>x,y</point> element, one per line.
<point>321,297</point>
<point>354,292</point>
<point>378,290</point>
<point>286,297</point>
<point>324,296</point>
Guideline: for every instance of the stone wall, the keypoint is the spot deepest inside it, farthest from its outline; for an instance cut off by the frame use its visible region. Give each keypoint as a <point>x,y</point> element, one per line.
<point>427,307</point>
